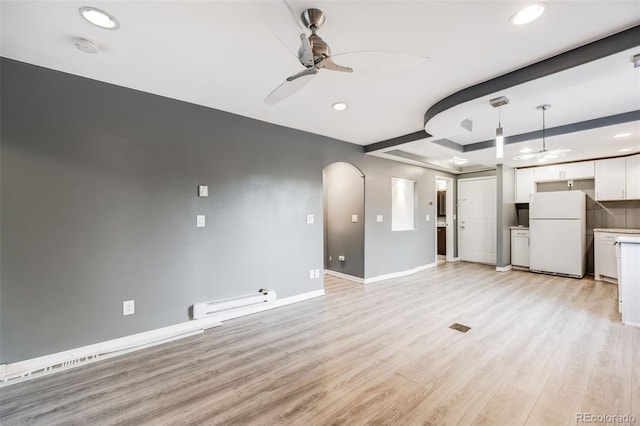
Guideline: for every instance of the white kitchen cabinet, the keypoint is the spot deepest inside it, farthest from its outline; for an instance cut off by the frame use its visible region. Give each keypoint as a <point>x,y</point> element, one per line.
<point>610,181</point>
<point>604,256</point>
<point>633,177</point>
<point>525,186</point>
<point>547,173</point>
<point>520,248</point>
<point>579,170</point>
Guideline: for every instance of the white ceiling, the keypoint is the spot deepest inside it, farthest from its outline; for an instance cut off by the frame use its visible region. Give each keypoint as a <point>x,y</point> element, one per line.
<point>227,55</point>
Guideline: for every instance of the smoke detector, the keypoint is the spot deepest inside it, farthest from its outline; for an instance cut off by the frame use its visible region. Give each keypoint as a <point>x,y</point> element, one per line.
<point>84,45</point>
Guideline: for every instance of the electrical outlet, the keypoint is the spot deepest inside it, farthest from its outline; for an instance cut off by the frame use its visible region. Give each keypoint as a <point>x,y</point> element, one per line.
<point>354,218</point>
<point>341,258</point>
<point>379,218</point>
<point>200,221</point>
<point>570,183</point>
<point>310,219</point>
<point>128,307</point>
<point>311,274</point>
<point>428,217</point>
<point>203,191</point>
<point>316,273</point>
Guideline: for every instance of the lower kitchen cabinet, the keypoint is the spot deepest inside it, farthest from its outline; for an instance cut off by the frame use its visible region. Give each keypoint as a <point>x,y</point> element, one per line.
<point>604,255</point>
<point>520,248</point>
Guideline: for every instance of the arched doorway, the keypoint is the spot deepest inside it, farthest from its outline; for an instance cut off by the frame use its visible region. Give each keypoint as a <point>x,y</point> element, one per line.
<point>343,187</point>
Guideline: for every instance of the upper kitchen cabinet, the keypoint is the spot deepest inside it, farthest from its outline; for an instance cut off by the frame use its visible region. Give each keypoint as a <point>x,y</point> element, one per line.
<point>547,173</point>
<point>633,177</point>
<point>525,185</point>
<point>579,170</point>
<point>611,179</point>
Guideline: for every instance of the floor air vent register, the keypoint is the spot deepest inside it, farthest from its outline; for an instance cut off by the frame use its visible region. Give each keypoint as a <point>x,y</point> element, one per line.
<point>459,327</point>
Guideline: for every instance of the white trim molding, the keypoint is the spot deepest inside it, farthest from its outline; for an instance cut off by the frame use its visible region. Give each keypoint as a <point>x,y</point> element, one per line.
<point>36,367</point>
<point>504,268</point>
<point>631,324</point>
<point>344,276</point>
<point>379,277</point>
<point>399,274</point>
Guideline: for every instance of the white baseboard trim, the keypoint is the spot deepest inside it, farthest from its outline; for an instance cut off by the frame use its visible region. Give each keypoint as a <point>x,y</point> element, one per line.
<point>36,367</point>
<point>399,274</point>
<point>631,324</point>
<point>455,259</point>
<point>504,268</point>
<point>344,276</point>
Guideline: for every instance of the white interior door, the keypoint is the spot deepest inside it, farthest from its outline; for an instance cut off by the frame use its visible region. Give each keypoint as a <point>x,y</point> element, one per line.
<point>477,220</point>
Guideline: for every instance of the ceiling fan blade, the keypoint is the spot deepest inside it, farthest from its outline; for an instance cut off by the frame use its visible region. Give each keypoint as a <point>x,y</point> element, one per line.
<point>296,17</point>
<point>381,62</point>
<point>290,86</point>
<point>305,54</point>
<point>277,16</point>
<point>330,65</point>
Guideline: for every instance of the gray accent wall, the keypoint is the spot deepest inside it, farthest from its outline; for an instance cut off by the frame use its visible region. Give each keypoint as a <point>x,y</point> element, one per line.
<point>99,203</point>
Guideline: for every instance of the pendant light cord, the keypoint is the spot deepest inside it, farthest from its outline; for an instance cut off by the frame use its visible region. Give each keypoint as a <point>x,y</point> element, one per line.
<point>544,146</point>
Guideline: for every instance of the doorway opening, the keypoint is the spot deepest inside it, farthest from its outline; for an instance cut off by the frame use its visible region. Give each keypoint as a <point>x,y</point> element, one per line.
<point>444,244</point>
<point>343,200</point>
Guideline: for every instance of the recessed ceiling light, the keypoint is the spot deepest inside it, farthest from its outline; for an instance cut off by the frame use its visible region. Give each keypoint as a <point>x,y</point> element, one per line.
<point>525,150</point>
<point>339,106</point>
<point>99,18</point>
<point>459,161</point>
<point>624,150</point>
<point>528,14</point>
<point>622,135</point>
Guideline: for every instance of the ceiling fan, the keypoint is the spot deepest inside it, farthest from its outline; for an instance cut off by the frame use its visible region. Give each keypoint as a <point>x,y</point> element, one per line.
<point>315,54</point>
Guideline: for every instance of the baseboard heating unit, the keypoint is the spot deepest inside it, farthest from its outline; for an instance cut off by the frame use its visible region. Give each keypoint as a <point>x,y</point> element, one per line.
<point>204,309</point>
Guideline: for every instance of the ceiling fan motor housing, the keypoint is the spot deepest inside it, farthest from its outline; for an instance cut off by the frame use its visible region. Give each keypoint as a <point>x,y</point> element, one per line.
<point>319,47</point>
<point>313,18</point>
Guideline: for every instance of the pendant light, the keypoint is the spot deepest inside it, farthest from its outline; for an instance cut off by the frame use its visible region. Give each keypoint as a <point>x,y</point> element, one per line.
<point>544,155</point>
<point>497,103</point>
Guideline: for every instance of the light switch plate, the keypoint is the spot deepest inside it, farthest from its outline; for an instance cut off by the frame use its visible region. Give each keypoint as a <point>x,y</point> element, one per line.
<point>310,219</point>
<point>200,221</point>
<point>379,218</point>
<point>341,258</point>
<point>316,273</point>
<point>311,274</point>
<point>354,218</point>
<point>203,191</point>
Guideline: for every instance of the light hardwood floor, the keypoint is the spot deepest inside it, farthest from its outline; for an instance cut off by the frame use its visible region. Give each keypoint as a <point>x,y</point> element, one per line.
<point>540,350</point>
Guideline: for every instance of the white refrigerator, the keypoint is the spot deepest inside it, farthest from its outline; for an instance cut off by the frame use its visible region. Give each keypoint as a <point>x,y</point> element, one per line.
<point>557,233</point>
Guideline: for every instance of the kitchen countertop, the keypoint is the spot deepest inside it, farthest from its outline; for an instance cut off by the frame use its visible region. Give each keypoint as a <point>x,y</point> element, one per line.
<point>618,230</point>
<point>522,228</point>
